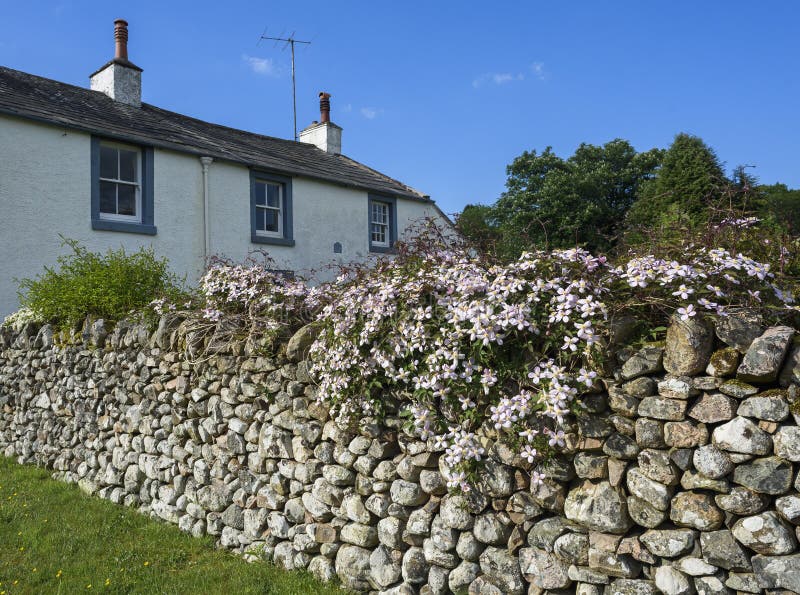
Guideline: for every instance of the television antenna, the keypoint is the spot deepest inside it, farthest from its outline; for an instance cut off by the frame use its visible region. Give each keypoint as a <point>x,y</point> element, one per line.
<point>290,41</point>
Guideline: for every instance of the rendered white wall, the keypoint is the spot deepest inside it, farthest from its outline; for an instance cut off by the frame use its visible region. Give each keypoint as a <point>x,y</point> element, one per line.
<point>45,190</point>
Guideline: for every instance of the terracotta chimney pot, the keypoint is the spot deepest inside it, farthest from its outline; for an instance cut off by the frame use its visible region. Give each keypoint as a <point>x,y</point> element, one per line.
<point>121,39</point>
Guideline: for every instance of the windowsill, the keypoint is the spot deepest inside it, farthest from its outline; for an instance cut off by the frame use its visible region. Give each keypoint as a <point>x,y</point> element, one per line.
<point>124,226</point>
<point>382,249</point>
<point>275,241</point>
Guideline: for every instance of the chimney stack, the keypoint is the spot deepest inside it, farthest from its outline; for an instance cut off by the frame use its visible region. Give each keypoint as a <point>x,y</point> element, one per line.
<point>324,134</point>
<point>120,78</point>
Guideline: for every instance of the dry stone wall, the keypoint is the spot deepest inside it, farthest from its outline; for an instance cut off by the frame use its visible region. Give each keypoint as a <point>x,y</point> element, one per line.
<point>678,477</point>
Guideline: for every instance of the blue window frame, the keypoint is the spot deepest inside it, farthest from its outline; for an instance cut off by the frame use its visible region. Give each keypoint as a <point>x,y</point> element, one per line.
<point>382,223</point>
<point>122,187</point>
<point>270,209</point>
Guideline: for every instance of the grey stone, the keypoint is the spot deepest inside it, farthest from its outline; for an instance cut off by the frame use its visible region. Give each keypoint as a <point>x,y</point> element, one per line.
<point>298,345</point>
<point>723,362</point>
<point>385,566</point>
<point>742,435</point>
<point>543,569</point>
<point>544,533</point>
<point>407,493</point>
<point>741,501</point>
<point>572,548</point>
<point>737,389</point>
<point>668,543</point>
<point>764,358</point>
<point>352,567</point>
<point>644,514</point>
<point>790,374</point>
<point>695,566</point>
<point>778,572</point>
<point>671,581</point>
<point>688,346</point>
<point>469,548</point>
<point>414,566</point>
<point>658,466</point>
<point>462,576</point>
<point>692,480</point>
<point>647,360</point>
<point>598,506</point>
<point>713,408</point>
<point>455,513</point>
<point>765,533</point>
<point>685,434</point>
<point>663,409</point>
<point>695,510</point>
<point>631,587</point>
<point>492,528</point>
<point>641,486</point>
<point>712,462</point>
<point>621,446</point>
<point>503,570</point>
<point>677,388</point>
<point>360,535</point>
<point>640,387</point>
<point>649,433</point>
<point>591,466</point>
<point>787,443</point>
<point>769,406</point>
<point>743,581</point>
<point>739,328</point>
<point>770,475</point>
<point>721,549</point>
<point>789,508</point>
<point>710,585</point>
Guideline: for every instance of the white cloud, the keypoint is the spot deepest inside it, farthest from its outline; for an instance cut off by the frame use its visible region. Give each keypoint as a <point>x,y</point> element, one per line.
<point>370,113</point>
<point>537,68</point>
<point>497,78</point>
<point>347,108</point>
<point>263,66</point>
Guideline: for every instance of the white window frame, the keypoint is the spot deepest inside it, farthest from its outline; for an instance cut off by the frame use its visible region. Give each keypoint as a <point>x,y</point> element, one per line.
<point>137,218</point>
<point>384,223</point>
<point>279,209</point>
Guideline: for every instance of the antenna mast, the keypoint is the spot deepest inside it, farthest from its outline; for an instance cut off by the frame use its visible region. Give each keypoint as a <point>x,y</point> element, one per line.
<point>290,41</point>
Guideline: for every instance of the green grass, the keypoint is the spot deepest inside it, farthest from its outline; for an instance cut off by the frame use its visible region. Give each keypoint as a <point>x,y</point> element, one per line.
<point>55,539</point>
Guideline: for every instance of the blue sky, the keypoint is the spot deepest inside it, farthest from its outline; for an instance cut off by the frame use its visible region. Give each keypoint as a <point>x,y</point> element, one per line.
<point>443,95</point>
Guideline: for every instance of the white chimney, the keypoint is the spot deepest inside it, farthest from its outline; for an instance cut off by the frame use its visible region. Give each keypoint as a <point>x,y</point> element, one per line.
<point>324,134</point>
<point>120,79</point>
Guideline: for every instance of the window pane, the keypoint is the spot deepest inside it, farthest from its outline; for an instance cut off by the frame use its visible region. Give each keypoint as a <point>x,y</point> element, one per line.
<point>127,165</point>
<point>271,220</point>
<point>108,162</point>
<point>260,220</point>
<point>274,195</point>
<point>126,199</point>
<point>261,194</point>
<point>108,197</point>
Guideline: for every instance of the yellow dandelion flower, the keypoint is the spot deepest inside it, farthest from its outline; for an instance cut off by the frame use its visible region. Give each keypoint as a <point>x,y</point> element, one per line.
<point>34,570</point>
<point>58,574</point>
<point>147,563</point>
<point>108,581</point>
<point>22,548</point>
<point>89,586</point>
<point>16,582</point>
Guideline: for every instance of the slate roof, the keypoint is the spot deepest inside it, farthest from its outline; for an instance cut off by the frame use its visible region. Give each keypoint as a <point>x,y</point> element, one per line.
<point>46,100</point>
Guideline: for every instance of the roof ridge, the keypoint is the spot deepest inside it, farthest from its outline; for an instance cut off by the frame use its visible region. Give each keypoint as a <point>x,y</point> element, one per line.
<point>49,101</point>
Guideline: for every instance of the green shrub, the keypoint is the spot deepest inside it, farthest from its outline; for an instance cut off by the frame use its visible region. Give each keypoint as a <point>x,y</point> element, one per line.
<point>105,286</point>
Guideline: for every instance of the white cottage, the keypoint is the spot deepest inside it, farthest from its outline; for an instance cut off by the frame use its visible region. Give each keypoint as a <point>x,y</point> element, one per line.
<point>99,166</point>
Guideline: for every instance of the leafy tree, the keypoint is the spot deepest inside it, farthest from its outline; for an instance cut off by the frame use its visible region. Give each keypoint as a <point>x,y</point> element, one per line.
<point>551,202</point>
<point>781,206</point>
<point>689,183</point>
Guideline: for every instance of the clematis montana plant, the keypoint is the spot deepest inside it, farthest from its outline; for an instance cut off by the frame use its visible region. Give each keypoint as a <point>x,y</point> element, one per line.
<point>470,351</point>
